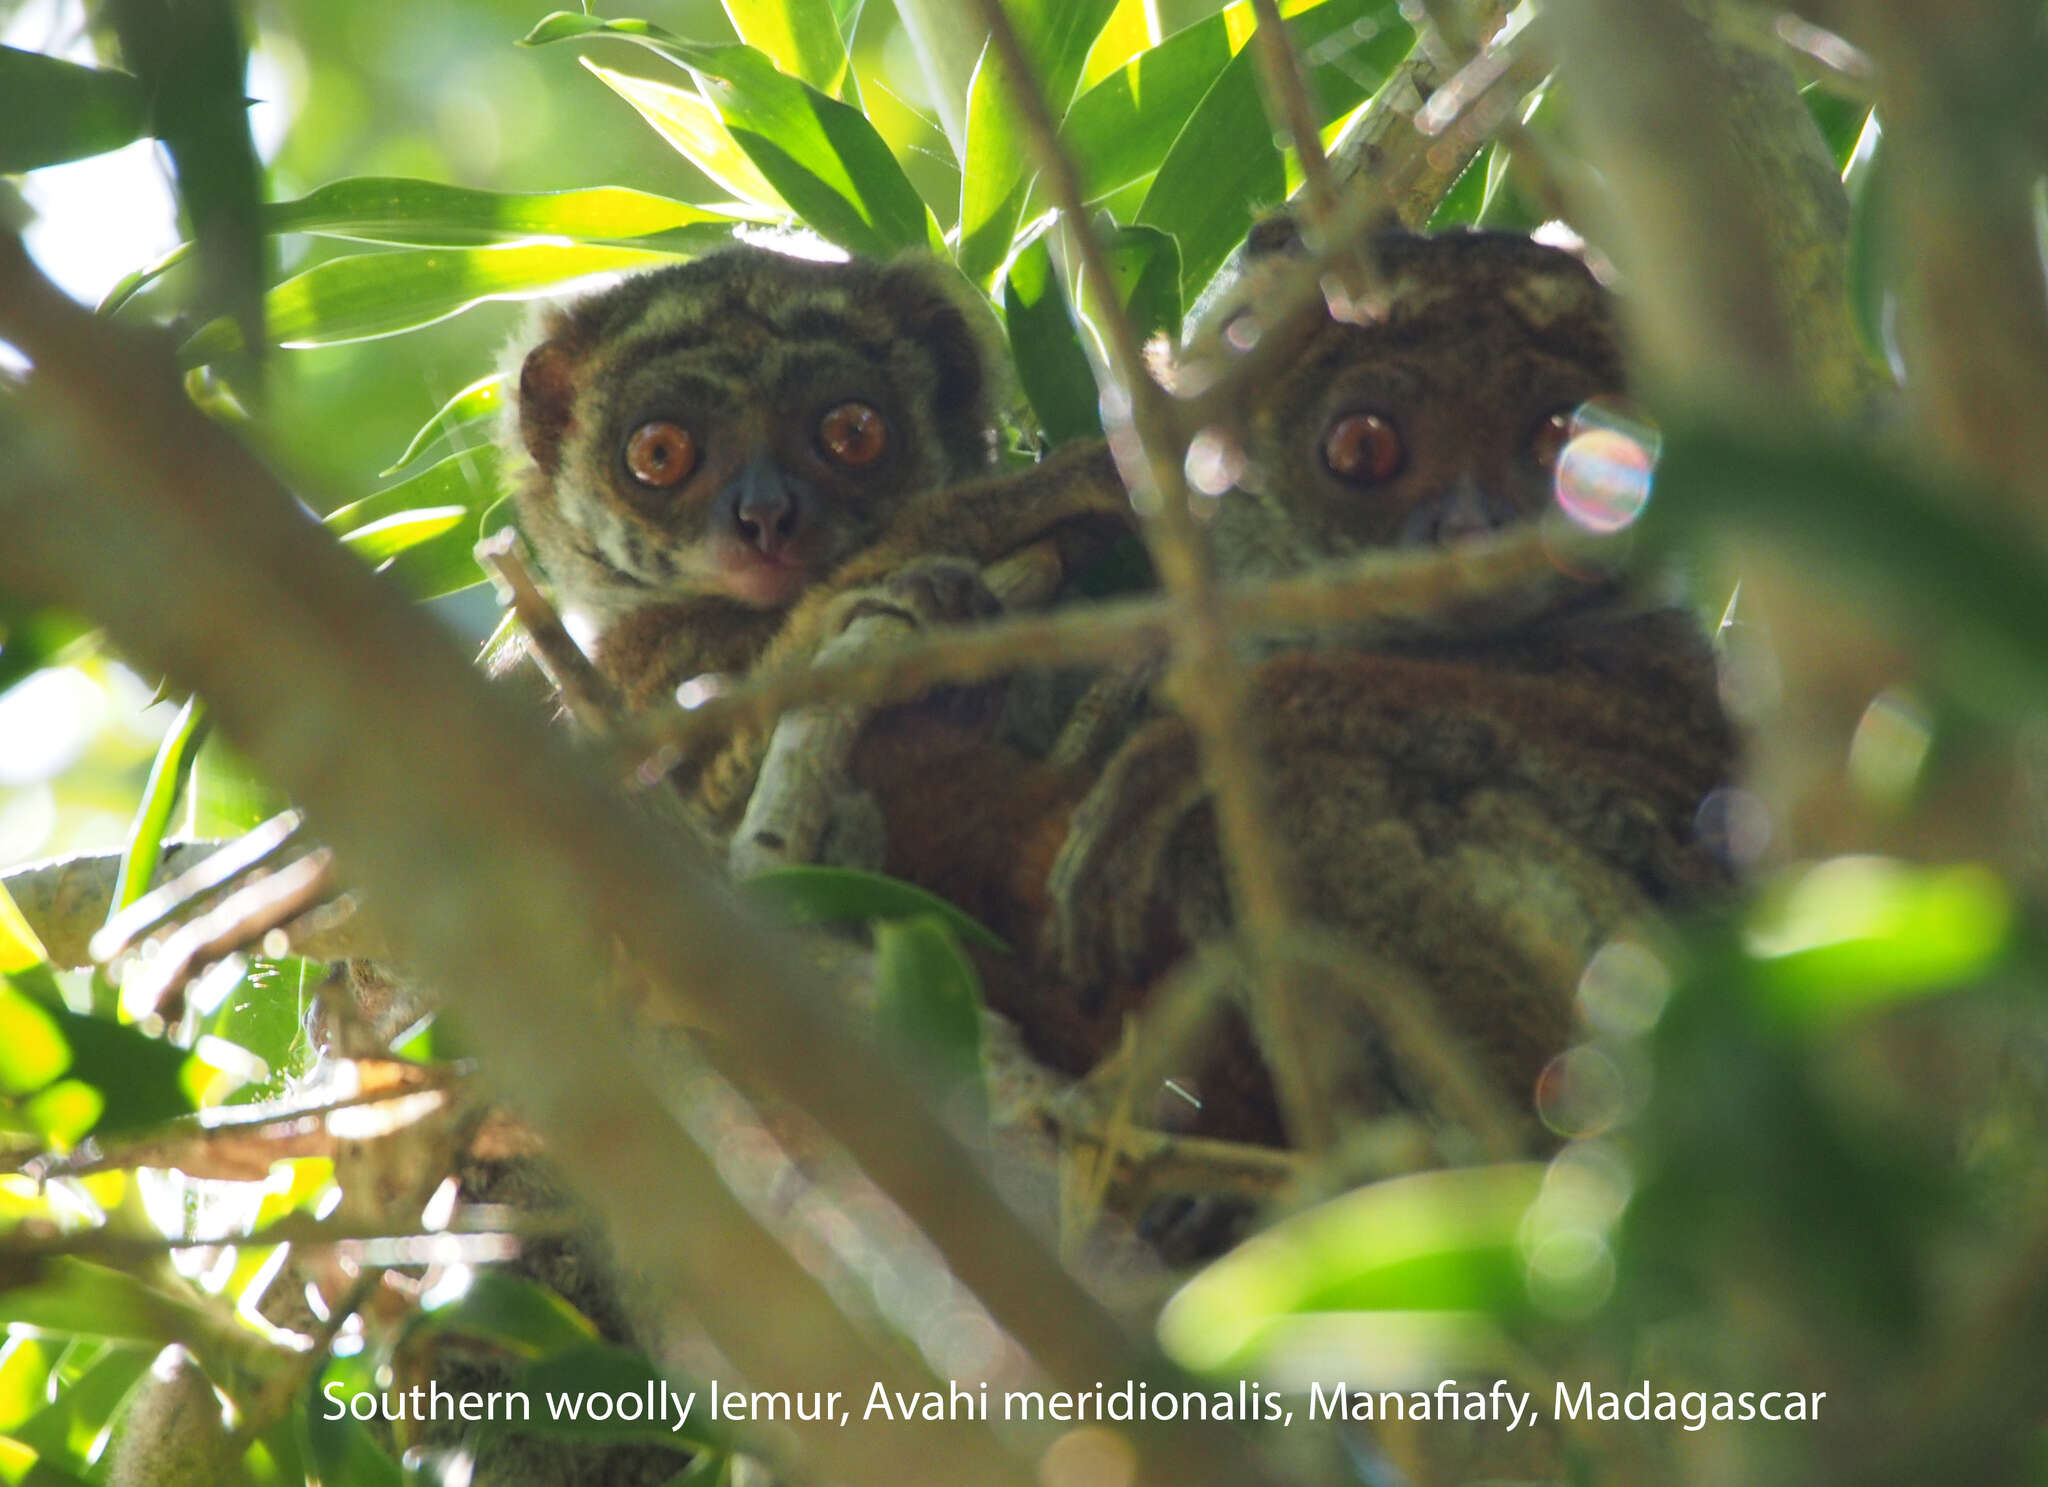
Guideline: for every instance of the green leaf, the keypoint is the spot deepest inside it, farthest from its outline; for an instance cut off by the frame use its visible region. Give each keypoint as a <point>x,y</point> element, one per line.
<point>31,638</point>
<point>452,499</point>
<point>139,1079</point>
<point>1463,202</point>
<point>1051,362</point>
<point>1859,934</point>
<point>26,1366</point>
<point>572,1377</point>
<point>342,1451</point>
<point>800,36</point>
<point>168,775</point>
<point>1434,1242</point>
<point>368,295</point>
<point>692,127</point>
<point>1120,129</point>
<point>1051,365</point>
<point>1872,272</point>
<point>928,1003</point>
<point>517,1314</point>
<point>837,895</point>
<point>70,1425</point>
<point>428,214</point>
<point>1956,582</point>
<point>380,541</point>
<point>1840,120</point>
<point>480,400</point>
<point>33,1049</point>
<point>823,158</point>
<point>58,110</point>
<point>21,1467</point>
<point>75,1298</point>
<point>1224,170</point>
<point>1056,36</point>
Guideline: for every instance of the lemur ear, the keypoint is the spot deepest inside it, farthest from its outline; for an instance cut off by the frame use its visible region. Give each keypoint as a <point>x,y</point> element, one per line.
<point>547,392</point>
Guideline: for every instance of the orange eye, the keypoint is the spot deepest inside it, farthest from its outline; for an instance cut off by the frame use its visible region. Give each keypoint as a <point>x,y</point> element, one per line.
<point>1548,439</point>
<point>1364,449</point>
<point>661,454</point>
<point>853,434</point>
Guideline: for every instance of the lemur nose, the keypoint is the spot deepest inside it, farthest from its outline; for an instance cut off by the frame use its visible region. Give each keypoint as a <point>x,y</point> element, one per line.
<point>766,513</point>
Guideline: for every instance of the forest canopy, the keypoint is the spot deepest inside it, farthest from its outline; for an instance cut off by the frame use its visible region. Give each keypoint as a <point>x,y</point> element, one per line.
<point>259,267</point>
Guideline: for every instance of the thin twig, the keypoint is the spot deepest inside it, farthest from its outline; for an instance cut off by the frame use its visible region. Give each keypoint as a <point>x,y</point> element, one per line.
<point>1150,444</point>
<point>1491,585</point>
<point>244,854</point>
<point>590,699</point>
<point>1287,98</point>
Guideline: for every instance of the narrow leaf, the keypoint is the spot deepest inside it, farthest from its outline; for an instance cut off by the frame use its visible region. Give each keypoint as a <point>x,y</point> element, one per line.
<point>800,36</point>
<point>823,158</point>
<point>75,1298</point>
<point>380,541</point>
<point>1436,1241</point>
<point>500,1307</point>
<point>692,126</point>
<point>836,895</point>
<point>58,110</point>
<point>381,294</point>
<point>928,1003</point>
<point>1051,365</point>
<point>168,775</point>
<point>1056,35</point>
<point>1224,169</point>
<point>480,400</point>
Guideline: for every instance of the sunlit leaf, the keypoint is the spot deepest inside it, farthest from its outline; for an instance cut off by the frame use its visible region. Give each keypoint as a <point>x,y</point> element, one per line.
<point>1436,1241</point>
<point>58,110</point>
<point>25,1366</point>
<point>479,401</point>
<point>69,1426</point>
<point>339,1446</point>
<point>1056,36</point>
<point>1855,934</point>
<point>21,1467</point>
<point>1052,365</point>
<point>168,774</point>
<point>823,158</point>
<point>33,1048</point>
<point>517,1314</point>
<point>799,36</point>
<point>1120,129</point>
<point>429,214</point>
<point>75,1298</point>
<point>380,294</point>
<point>379,541</point>
<point>692,126</point>
<point>1126,34</point>
<point>1224,169</point>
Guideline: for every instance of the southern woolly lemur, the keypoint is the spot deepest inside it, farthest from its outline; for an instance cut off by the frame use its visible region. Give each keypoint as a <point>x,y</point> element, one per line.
<point>708,454</point>
<point>1480,811</point>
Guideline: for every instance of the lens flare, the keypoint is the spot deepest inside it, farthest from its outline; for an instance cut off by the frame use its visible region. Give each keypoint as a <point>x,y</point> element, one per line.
<point>1603,474</point>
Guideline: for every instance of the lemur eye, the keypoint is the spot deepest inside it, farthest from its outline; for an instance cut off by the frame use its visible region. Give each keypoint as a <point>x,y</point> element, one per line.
<point>661,454</point>
<point>1548,439</point>
<point>1364,449</point>
<point>853,434</point>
